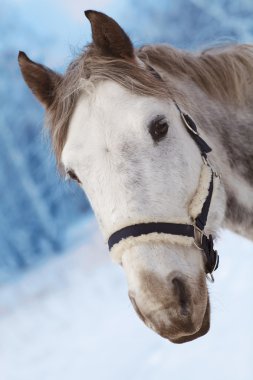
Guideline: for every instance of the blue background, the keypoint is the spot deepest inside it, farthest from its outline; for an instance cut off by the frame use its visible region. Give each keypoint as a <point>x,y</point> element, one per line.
<point>64,310</point>
<point>37,208</point>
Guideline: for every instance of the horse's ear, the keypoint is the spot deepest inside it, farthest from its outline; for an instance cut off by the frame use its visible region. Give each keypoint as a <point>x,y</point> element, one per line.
<point>41,80</point>
<point>109,37</point>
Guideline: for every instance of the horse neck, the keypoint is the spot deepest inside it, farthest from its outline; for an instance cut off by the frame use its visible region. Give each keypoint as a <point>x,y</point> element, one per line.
<point>228,128</point>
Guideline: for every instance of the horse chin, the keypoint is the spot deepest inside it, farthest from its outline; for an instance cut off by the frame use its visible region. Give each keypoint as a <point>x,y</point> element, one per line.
<point>202,331</point>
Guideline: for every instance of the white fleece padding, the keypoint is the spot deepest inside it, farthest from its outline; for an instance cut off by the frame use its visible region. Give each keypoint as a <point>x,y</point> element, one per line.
<point>202,191</point>
<point>118,249</point>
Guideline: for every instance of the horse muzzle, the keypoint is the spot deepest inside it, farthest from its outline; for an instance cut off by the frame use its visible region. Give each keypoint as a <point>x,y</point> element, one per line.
<point>179,315</point>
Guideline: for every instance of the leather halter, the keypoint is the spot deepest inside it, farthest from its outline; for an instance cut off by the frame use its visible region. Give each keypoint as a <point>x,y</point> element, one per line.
<point>196,230</point>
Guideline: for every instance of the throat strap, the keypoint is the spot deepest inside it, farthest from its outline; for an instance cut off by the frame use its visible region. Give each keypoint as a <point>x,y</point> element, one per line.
<point>201,219</point>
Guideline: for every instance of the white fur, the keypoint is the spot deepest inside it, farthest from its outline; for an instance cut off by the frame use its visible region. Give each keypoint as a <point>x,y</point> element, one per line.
<point>194,210</point>
<point>126,244</point>
<point>129,179</point>
<point>124,174</point>
<point>202,191</point>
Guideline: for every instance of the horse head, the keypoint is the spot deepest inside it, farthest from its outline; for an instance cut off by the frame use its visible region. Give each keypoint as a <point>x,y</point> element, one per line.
<point>118,131</point>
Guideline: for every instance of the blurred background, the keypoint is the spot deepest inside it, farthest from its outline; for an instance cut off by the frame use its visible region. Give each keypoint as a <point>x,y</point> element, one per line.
<point>64,310</point>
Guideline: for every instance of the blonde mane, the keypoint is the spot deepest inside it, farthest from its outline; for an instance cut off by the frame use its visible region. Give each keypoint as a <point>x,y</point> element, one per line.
<point>223,73</point>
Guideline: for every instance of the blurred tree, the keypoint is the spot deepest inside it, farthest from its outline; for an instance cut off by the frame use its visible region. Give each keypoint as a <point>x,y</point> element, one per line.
<point>35,208</point>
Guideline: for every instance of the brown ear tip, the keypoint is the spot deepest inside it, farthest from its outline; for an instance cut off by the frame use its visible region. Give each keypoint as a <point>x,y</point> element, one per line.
<point>88,13</point>
<point>22,56</point>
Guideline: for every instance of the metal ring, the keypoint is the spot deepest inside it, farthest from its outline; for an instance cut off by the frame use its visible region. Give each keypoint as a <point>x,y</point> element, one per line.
<point>196,229</point>
<point>196,245</point>
<point>216,261</point>
<point>210,278</point>
<point>188,125</point>
<point>206,161</point>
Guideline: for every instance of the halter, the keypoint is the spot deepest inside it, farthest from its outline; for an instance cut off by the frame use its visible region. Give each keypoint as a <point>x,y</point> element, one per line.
<point>191,233</point>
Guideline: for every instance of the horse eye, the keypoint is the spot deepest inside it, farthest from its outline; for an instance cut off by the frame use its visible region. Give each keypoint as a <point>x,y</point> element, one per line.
<point>158,128</point>
<point>71,174</point>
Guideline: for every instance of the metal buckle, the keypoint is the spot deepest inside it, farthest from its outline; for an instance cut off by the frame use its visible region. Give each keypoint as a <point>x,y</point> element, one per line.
<point>187,125</point>
<point>209,277</point>
<point>205,160</point>
<point>207,163</point>
<point>216,261</point>
<point>199,238</point>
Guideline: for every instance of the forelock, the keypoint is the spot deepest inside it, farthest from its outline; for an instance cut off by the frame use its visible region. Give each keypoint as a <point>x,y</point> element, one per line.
<point>83,74</point>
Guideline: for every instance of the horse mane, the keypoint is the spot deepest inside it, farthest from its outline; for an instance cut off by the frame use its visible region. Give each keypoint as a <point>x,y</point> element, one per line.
<point>223,73</point>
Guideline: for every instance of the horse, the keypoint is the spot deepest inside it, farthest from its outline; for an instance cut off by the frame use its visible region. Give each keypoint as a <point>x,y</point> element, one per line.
<point>160,140</point>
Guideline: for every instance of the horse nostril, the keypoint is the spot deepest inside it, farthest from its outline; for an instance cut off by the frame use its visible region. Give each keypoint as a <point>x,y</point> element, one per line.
<point>136,308</point>
<point>182,294</point>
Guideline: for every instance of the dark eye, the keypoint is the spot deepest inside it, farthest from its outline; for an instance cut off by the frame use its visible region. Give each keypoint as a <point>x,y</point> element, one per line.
<point>158,128</point>
<point>71,174</point>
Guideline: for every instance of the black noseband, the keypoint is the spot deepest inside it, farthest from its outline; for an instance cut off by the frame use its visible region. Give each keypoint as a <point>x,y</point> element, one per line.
<point>149,228</point>
<point>194,230</point>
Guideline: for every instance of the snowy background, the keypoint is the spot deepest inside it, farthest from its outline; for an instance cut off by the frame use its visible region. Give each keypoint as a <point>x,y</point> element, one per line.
<point>64,310</point>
